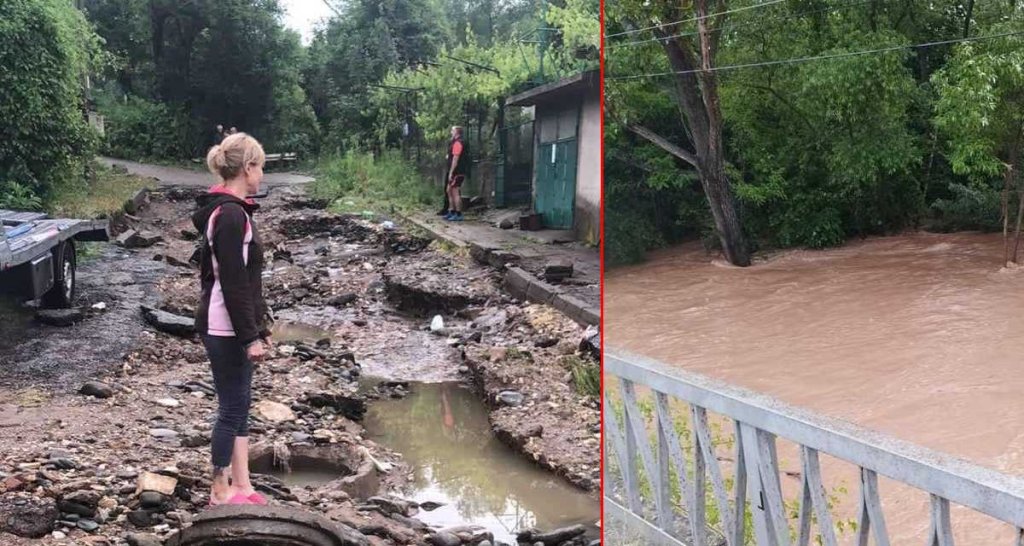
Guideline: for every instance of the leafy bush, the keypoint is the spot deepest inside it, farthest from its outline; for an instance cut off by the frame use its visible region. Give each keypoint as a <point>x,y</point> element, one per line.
<point>367,180</point>
<point>46,46</point>
<point>971,207</point>
<point>18,197</point>
<point>140,129</point>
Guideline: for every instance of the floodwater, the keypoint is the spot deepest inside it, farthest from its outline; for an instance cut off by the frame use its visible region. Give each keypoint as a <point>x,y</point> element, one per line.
<point>443,433</point>
<point>919,336</point>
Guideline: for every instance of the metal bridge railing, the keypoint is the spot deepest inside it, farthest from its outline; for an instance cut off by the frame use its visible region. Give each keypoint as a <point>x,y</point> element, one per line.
<point>661,469</point>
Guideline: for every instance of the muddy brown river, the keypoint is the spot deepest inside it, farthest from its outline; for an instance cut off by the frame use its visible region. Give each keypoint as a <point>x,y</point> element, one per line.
<point>920,336</point>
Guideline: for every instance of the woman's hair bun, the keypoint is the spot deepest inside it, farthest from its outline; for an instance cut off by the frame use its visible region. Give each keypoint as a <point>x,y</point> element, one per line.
<point>229,158</point>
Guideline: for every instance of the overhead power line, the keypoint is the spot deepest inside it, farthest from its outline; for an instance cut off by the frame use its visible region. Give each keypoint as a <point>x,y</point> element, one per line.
<point>694,19</point>
<point>744,24</point>
<point>818,57</point>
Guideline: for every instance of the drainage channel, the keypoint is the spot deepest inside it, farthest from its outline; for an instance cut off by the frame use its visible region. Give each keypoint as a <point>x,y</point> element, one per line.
<point>443,433</point>
<point>442,430</point>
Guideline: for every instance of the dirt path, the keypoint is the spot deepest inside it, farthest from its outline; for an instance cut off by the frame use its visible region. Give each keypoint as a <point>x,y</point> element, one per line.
<point>177,176</point>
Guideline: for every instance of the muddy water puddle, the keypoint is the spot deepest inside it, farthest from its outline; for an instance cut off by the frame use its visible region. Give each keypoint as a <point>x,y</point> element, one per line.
<point>919,336</point>
<point>443,433</point>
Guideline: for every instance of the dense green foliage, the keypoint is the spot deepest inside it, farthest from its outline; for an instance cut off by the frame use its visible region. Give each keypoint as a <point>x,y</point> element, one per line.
<point>821,150</point>
<point>46,49</point>
<point>456,90</point>
<point>358,180</point>
<point>182,68</point>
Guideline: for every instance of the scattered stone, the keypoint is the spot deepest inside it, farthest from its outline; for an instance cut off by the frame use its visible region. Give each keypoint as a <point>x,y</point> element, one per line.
<point>29,518</point>
<point>510,398</point>
<point>342,300</point>
<point>497,354</point>
<point>275,412</point>
<point>301,437</point>
<point>171,260</point>
<point>163,433</point>
<point>136,239</point>
<point>507,224</point>
<point>353,408</point>
<point>12,483</point>
<point>88,525</point>
<point>553,538</point>
<point>535,431</point>
<point>138,539</point>
<point>189,235</point>
<point>169,323</point>
<point>442,538</point>
<point>60,317</point>
<point>168,402</point>
<point>463,370</point>
<point>140,518</point>
<point>64,463</point>
<point>430,506</point>
<point>57,535</point>
<point>149,481</point>
<point>547,342</point>
<point>97,389</point>
<point>151,499</point>
<point>557,270</point>
<point>195,439</point>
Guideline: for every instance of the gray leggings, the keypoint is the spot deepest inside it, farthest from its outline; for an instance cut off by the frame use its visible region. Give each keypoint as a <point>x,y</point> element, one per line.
<point>232,377</point>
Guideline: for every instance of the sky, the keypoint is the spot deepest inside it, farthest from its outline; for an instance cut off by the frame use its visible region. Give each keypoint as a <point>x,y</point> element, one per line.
<point>302,15</point>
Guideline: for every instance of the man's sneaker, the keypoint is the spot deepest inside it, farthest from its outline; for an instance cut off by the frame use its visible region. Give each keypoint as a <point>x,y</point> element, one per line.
<point>444,212</point>
<point>450,216</point>
<point>457,217</point>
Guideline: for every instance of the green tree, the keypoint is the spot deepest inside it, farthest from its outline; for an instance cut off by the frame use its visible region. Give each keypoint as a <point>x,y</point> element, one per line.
<point>980,110</point>
<point>690,55</point>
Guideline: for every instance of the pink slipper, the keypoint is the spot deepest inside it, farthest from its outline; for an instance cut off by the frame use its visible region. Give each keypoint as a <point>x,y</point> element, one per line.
<point>256,498</point>
<point>236,499</point>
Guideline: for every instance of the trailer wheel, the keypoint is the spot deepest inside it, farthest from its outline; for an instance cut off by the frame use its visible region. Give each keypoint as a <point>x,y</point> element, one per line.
<point>62,294</point>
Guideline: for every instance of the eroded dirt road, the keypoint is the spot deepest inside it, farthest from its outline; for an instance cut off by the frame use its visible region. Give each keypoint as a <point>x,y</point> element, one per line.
<point>353,301</point>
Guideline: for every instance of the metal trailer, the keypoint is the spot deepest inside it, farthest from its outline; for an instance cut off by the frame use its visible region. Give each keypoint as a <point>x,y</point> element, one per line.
<point>37,254</point>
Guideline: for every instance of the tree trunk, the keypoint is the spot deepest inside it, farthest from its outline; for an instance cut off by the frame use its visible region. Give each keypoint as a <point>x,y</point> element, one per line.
<point>1020,213</point>
<point>968,17</point>
<point>727,221</point>
<point>1006,215</point>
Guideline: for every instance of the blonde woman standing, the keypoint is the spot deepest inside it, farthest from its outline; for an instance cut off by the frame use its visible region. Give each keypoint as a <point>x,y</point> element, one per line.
<point>230,315</point>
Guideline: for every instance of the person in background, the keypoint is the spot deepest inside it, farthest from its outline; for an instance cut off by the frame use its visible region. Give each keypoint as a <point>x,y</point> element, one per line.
<point>458,166</point>
<point>218,135</point>
<point>230,317</point>
<point>233,131</point>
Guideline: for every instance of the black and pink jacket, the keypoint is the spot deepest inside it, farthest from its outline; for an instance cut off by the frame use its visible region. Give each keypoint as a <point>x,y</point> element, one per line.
<point>231,269</point>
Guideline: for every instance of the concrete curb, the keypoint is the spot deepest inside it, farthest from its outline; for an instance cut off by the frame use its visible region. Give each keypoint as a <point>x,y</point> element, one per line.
<point>521,284</point>
<point>517,281</point>
<point>432,231</point>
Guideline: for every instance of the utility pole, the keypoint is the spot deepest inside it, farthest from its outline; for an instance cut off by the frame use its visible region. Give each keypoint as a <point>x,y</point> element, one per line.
<point>542,42</point>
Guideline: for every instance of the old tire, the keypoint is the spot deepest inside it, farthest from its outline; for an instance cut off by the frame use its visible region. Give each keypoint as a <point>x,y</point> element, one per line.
<point>62,293</point>
<point>251,525</point>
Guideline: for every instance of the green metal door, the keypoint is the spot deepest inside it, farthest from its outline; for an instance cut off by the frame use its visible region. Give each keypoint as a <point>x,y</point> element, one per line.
<point>556,183</point>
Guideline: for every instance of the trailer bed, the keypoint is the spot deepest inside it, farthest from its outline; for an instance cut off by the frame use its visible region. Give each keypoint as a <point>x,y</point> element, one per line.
<point>32,234</point>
